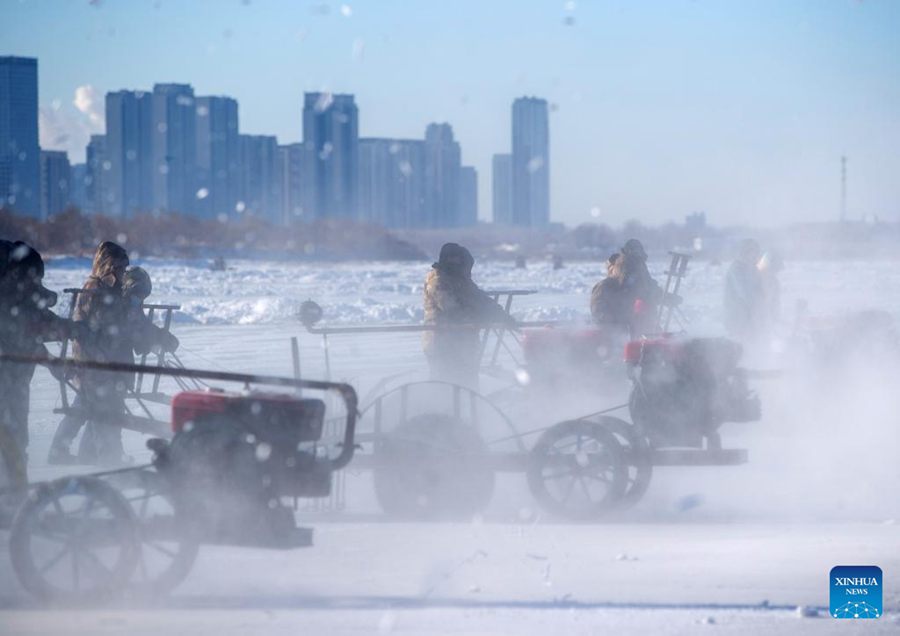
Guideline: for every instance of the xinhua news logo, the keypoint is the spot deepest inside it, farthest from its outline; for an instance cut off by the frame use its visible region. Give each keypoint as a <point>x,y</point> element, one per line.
<point>856,591</point>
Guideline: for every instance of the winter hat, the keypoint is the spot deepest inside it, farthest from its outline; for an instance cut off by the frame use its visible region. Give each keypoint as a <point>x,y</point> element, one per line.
<point>634,247</point>
<point>454,258</point>
<point>137,283</point>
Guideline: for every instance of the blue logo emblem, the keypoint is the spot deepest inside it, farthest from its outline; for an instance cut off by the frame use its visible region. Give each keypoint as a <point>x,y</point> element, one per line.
<point>856,591</point>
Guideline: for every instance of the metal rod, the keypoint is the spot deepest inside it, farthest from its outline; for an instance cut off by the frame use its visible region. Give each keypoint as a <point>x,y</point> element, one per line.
<point>161,356</point>
<point>140,379</point>
<point>327,356</point>
<point>347,392</point>
<point>511,292</point>
<point>519,435</point>
<point>501,332</point>
<point>324,331</point>
<point>295,358</point>
<point>76,291</point>
<point>662,305</point>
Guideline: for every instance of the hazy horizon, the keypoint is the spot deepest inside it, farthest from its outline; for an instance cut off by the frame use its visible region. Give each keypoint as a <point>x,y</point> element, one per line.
<point>658,110</point>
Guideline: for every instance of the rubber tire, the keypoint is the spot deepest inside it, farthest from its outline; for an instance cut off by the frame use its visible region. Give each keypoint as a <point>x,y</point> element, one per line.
<point>20,540</point>
<point>433,467</point>
<point>637,456</point>
<point>538,460</point>
<point>188,541</point>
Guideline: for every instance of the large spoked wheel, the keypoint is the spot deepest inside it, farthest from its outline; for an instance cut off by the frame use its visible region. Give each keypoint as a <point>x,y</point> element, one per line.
<point>74,540</point>
<point>577,470</point>
<point>433,466</point>
<point>637,458</point>
<point>169,542</point>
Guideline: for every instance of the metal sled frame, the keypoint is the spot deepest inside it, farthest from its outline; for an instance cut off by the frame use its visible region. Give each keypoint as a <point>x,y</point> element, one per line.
<point>600,429</point>
<point>145,422</point>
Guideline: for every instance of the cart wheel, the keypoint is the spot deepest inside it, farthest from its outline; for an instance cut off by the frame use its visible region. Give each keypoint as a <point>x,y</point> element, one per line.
<point>433,466</point>
<point>577,469</point>
<point>74,539</point>
<point>637,458</point>
<point>168,541</point>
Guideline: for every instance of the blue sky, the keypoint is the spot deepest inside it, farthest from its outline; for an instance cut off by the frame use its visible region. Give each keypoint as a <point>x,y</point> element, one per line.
<point>740,109</point>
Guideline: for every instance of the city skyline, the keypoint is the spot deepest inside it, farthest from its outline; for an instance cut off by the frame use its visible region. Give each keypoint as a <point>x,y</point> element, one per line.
<point>169,150</point>
<point>658,109</point>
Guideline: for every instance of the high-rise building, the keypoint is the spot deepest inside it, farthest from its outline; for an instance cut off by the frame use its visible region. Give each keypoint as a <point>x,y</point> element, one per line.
<point>56,179</point>
<point>259,177</point>
<point>331,139</point>
<point>392,182</point>
<point>442,164</point>
<point>78,186</point>
<point>530,162</point>
<point>20,155</point>
<point>174,148</point>
<point>129,150</point>
<point>290,178</point>
<point>501,169</point>
<point>468,196</point>
<point>218,176</point>
<point>97,167</point>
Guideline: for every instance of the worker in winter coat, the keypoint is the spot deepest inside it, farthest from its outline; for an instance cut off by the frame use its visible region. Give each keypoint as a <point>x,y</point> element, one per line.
<point>744,301</point>
<point>610,305</point>
<point>641,292</point>
<point>145,336</point>
<point>26,323</point>
<point>102,307</point>
<point>137,333</point>
<point>636,276</point>
<point>458,308</point>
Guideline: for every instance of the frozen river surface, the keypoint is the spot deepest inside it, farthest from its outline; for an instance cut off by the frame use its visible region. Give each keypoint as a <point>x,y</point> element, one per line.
<point>721,550</point>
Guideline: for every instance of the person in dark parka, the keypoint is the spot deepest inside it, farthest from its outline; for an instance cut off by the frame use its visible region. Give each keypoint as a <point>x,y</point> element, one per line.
<point>26,323</point>
<point>452,299</point>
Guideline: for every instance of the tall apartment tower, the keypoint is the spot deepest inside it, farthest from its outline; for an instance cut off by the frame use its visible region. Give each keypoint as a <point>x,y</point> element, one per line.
<point>331,140</point>
<point>218,175</point>
<point>56,182</point>
<point>442,165</point>
<point>174,148</point>
<point>20,155</point>
<point>78,186</point>
<point>97,168</point>
<point>501,188</point>
<point>129,150</point>
<point>260,186</point>
<point>468,196</point>
<point>530,162</point>
<point>392,182</point>
<point>290,177</point>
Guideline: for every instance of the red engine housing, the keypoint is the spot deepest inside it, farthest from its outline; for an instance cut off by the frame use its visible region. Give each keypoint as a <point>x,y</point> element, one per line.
<point>268,415</point>
<point>662,348</point>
